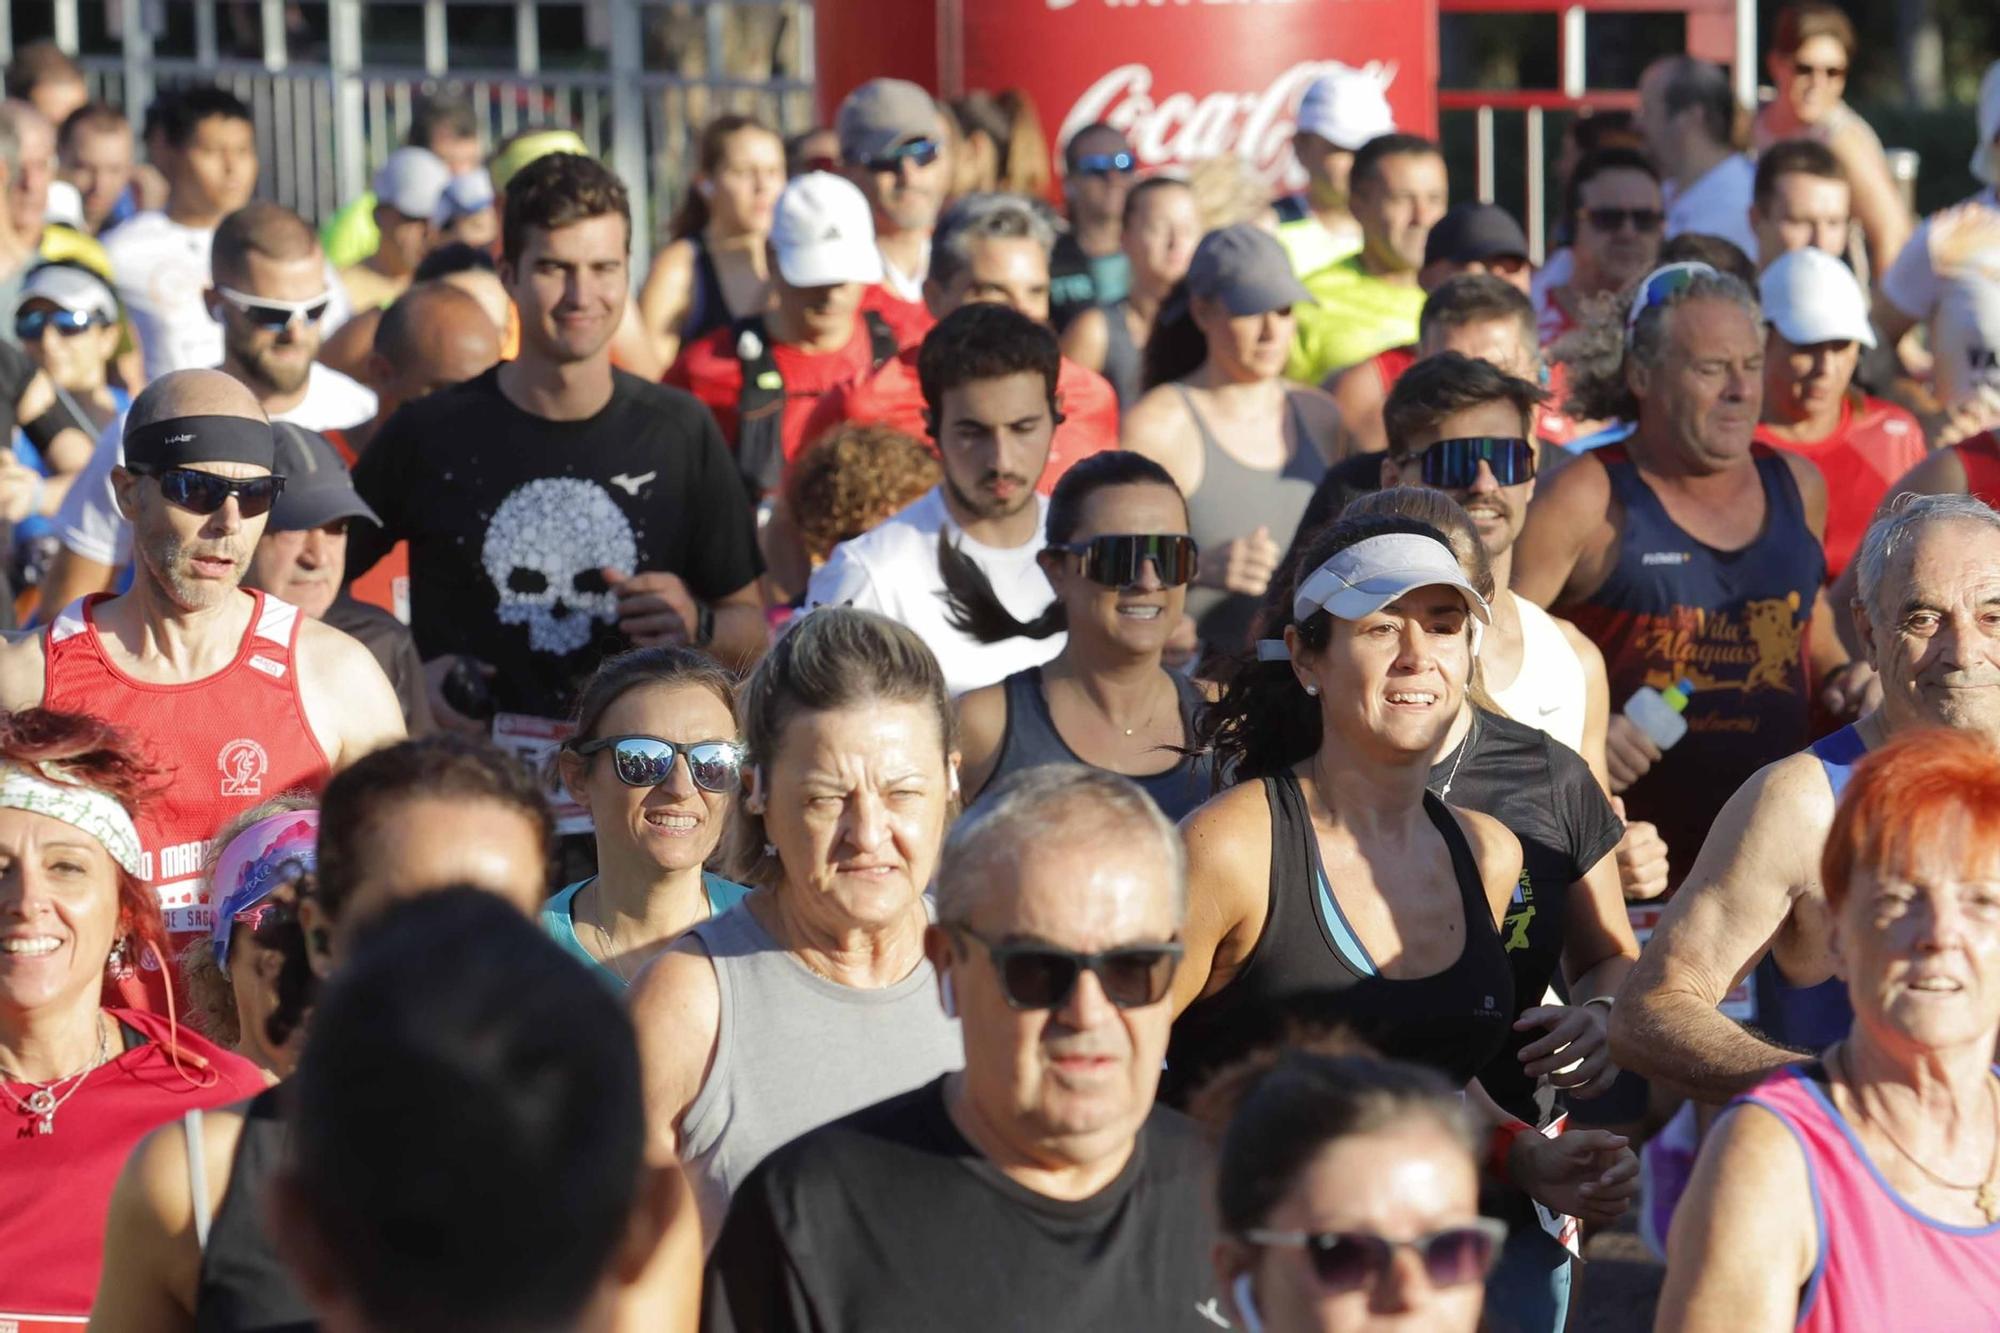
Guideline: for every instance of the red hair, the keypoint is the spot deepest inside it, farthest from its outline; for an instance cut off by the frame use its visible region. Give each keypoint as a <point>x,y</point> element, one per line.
<point>90,752</point>
<point>1928,791</point>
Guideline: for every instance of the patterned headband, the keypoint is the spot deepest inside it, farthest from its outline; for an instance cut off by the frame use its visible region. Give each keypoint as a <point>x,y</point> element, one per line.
<point>97,813</point>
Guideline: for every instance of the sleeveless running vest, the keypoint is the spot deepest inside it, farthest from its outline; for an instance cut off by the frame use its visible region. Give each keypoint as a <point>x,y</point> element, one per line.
<point>1124,362</point>
<point>1881,1264</point>
<point>708,307</point>
<point>1980,456</point>
<point>1308,965</point>
<point>1031,739</point>
<point>1548,691</point>
<point>1733,622</point>
<point>1811,1018</point>
<point>244,1287</point>
<point>227,742</point>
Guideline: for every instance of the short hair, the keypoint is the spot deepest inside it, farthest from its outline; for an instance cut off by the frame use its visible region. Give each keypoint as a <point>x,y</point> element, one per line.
<point>1794,157</point>
<point>39,62</point>
<point>456,257</point>
<point>1145,190</point>
<point>1599,130</point>
<point>1798,24</point>
<point>97,117</point>
<point>467,1140</point>
<point>984,217</point>
<point>985,341</point>
<point>1438,386</point>
<point>1718,252</point>
<point>1368,160</point>
<point>1028,808</point>
<point>1704,86</point>
<point>1600,161</point>
<point>1477,298</point>
<point>1924,792</point>
<point>1898,527</point>
<point>1095,128</point>
<point>618,675</point>
<point>448,110</point>
<point>261,228</point>
<point>851,478</point>
<point>174,116</point>
<point>559,190</point>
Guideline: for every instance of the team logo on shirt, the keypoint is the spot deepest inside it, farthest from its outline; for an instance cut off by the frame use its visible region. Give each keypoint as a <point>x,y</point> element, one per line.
<point>546,551</point>
<point>243,764</point>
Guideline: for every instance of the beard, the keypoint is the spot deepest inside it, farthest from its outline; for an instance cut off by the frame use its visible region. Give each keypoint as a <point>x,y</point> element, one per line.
<point>274,372</point>
<point>979,503</point>
<point>167,557</point>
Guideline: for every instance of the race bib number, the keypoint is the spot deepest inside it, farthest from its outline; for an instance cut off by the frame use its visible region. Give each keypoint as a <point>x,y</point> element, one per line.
<point>535,741</point>
<point>1566,1230</point>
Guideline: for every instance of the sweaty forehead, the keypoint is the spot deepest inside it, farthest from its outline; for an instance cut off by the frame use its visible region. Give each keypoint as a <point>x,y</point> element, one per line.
<point>1947,562</point>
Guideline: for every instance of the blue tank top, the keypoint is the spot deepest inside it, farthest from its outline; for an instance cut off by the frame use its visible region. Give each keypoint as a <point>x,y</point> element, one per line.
<point>1811,1018</point>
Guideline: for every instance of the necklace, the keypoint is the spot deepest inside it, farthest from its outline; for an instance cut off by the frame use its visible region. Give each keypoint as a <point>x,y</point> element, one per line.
<point>604,948</point>
<point>1463,746</point>
<point>1987,1201</point>
<point>45,1101</point>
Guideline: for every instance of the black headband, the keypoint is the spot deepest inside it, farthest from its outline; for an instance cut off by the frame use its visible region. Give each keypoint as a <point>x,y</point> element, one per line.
<point>184,441</point>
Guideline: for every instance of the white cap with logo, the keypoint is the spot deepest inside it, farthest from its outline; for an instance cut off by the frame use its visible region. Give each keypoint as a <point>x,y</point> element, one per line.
<point>1346,107</point>
<point>824,233</point>
<point>1811,297</point>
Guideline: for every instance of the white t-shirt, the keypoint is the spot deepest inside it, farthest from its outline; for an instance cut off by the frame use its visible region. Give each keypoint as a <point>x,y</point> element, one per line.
<point>1718,204</point>
<point>161,269</point>
<point>1949,276</point>
<point>89,522</point>
<point>893,569</point>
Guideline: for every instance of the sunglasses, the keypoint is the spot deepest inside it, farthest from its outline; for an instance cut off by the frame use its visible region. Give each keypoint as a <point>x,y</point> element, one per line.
<point>1645,221</point>
<point>29,324</point>
<point>1120,561</point>
<point>1106,164</point>
<point>1453,465</point>
<point>917,153</point>
<point>204,492</point>
<point>647,761</point>
<point>1041,976</point>
<point>1346,1261</point>
<point>1661,286</point>
<point>1827,72</point>
<point>272,314</point>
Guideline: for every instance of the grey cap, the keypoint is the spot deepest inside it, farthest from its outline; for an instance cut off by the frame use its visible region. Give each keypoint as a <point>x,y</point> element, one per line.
<point>317,490</point>
<point>881,114</point>
<point>1244,267</point>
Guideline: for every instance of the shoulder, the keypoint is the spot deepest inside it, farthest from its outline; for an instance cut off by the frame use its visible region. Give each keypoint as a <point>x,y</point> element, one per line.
<point>338,399</point>
<point>675,259</point>
<point>1231,831</point>
<point>23,668</point>
<point>1753,1155</point>
<point>674,408</point>
<point>1588,655</point>
<point>1176,1143</point>
<point>1318,405</point>
<point>328,647</point>
<point>1805,473</point>
<point>982,715</point>
<point>139,230</point>
<point>1579,486</point>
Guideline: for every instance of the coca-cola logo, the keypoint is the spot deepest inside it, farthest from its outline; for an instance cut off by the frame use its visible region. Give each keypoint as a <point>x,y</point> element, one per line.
<point>1181,127</point>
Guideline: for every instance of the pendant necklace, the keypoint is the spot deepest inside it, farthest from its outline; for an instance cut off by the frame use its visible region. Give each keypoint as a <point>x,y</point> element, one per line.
<point>1987,1200</point>
<point>47,1099</point>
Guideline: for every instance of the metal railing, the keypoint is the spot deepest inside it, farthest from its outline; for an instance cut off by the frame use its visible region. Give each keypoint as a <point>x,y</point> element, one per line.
<point>331,83</point>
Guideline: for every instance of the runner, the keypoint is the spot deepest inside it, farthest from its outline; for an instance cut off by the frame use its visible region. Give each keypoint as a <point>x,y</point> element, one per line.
<point>1160,230</point>
<point>94,153</point>
<point>893,144</point>
<point>443,122</point>
<point>1800,198</point>
<point>42,74</point>
<point>1614,204</point>
<point>237,694</point>
<point>408,186</point>
<point>1040,1186</point>
<point>1088,267</point>
<point>712,270</point>
<point>1120,559</point>
<point>1687,113</point>
<point>1340,111</point>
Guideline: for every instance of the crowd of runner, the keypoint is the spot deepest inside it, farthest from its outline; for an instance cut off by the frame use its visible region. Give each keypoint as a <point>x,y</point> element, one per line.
<point>964,762</point>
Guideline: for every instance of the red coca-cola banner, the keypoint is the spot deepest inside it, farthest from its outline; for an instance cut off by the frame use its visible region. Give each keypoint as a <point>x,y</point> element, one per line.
<point>1185,79</point>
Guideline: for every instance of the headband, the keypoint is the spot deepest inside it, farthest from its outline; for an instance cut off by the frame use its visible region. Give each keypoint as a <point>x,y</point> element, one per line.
<point>185,441</point>
<point>95,812</point>
<point>1361,579</point>
<point>256,861</point>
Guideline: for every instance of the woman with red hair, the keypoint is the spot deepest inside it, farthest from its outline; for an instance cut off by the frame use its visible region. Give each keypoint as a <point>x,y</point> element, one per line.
<point>1862,1190</point>
<point>80,1083</point>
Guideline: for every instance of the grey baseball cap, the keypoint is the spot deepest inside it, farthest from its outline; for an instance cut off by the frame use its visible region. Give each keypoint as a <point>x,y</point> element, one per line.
<point>1245,268</point>
<point>881,114</point>
<point>317,490</point>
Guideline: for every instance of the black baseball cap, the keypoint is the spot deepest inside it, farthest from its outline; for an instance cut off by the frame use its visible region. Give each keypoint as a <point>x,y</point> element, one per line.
<point>318,489</point>
<point>1473,233</point>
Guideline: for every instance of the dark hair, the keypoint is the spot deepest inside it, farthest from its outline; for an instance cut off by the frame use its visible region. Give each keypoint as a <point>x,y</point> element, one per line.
<point>984,341</point>
<point>457,257</point>
<point>618,675</point>
<point>91,116</point>
<point>1146,189</point>
<point>853,477</point>
<point>1096,127</point>
<point>1475,298</point>
<point>175,115</point>
<point>1794,157</point>
<point>1020,149</point>
<point>1702,85</point>
<point>1175,348</point>
<point>446,109</point>
<point>693,214</point>
<point>1604,129</point>
<point>39,62</point>
<point>558,190</point>
<point>1798,24</point>
<point>971,605</point>
<point>1598,163</point>
<point>468,1134</point>
<point>1724,256</point>
<point>1368,159</point>
<point>1263,723</point>
<point>1449,382</point>
<point>263,228</point>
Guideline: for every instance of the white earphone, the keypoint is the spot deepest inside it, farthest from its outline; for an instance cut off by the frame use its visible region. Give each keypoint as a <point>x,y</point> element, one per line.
<point>948,997</point>
<point>1246,1304</point>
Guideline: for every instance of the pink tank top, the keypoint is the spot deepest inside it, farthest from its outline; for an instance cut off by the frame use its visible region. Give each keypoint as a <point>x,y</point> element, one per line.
<point>1882,1264</point>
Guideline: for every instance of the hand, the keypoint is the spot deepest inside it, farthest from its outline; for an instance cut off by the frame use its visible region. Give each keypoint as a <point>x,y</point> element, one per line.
<point>448,717</point>
<point>1980,412</point>
<point>1181,645</point>
<point>1574,1053</point>
<point>1850,689</point>
<point>1244,565</point>
<point>1642,858</point>
<point>655,610</point>
<point>1628,752</point>
<point>20,487</point>
<point>1588,1173</point>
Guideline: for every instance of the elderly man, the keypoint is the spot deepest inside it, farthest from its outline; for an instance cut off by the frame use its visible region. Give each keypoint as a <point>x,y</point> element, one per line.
<point>1039,1187</point>
<point>1929,585</point>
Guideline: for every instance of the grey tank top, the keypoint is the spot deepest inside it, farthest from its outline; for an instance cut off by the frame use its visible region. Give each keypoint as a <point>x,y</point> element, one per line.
<point>1031,739</point>
<point>794,1051</point>
<point>1231,502</point>
<point>1122,358</point>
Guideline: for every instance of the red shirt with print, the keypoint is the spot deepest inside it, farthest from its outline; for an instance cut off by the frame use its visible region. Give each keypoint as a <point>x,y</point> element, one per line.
<point>709,369</point>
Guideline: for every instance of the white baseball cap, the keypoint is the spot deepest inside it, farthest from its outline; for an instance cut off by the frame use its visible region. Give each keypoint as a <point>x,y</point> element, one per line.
<point>411,181</point>
<point>1346,107</point>
<point>65,206</point>
<point>1985,152</point>
<point>72,288</point>
<point>1811,297</point>
<point>824,233</point>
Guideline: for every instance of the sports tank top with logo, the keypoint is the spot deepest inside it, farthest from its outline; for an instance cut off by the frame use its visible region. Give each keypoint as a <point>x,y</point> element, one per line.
<point>223,744</point>
<point>1880,1263</point>
<point>1733,622</point>
<point>1811,1018</point>
<point>1548,692</point>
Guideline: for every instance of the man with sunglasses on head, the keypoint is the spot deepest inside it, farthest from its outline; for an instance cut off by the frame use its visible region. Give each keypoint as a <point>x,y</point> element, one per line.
<point>893,146</point>
<point>1341,110</point>
<point>1687,114</point>
<point>1088,266</point>
<point>269,293</point>
<point>1615,210</point>
<point>1040,1187</point>
<point>238,695</point>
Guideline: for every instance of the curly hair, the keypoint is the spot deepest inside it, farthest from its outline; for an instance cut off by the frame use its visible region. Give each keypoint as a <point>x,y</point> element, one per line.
<point>852,479</point>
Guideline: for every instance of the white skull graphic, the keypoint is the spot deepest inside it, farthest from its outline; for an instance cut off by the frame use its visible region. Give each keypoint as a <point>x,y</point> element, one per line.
<point>543,550</point>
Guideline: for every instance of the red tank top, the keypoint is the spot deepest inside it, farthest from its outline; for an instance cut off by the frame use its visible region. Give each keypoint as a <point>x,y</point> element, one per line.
<point>228,742</point>
<point>55,1188</point>
<point>1980,456</point>
<point>1873,444</point>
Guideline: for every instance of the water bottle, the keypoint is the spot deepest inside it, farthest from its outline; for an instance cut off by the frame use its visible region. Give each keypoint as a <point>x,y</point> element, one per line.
<point>1658,712</point>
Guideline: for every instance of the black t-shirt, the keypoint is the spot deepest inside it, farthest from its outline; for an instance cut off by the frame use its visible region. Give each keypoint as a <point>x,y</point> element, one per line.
<point>511,517</point>
<point>890,1221</point>
<point>1544,794</point>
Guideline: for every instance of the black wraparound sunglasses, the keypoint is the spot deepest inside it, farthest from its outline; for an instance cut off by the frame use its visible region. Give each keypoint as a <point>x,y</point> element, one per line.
<point>203,493</point>
<point>1454,464</point>
<point>1041,976</point>
<point>1119,561</point>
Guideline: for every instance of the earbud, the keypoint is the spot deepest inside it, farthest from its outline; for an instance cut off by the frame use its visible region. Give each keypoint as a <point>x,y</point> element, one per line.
<point>1246,1304</point>
<point>954,784</point>
<point>1312,691</point>
<point>948,997</point>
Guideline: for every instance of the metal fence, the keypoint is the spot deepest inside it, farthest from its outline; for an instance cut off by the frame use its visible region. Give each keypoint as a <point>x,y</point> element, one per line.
<point>331,83</point>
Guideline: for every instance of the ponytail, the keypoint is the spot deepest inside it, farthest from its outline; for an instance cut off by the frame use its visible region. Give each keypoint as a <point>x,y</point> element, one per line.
<point>973,608</point>
<point>1175,348</point>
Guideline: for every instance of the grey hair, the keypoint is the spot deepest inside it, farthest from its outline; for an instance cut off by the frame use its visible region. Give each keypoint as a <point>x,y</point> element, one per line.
<point>10,134</point>
<point>1897,528</point>
<point>1597,354</point>
<point>985,217</point>
<point>1030,808</point>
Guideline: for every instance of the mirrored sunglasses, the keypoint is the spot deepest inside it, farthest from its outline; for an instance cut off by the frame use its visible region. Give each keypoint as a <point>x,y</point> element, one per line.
<point>1119,560</point>
<point>30,324</point>
<point>1345,1261</point>
<point>272,314</point>
<point>1106,164</point>
<point>204,492</point>
<point>647,761</point>
<point>1454,464</point>
<point>1661,286</point>
<point>1041,976</point>
<point>917,152</point>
